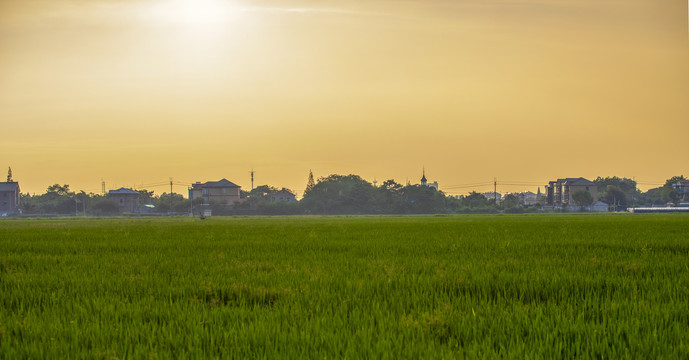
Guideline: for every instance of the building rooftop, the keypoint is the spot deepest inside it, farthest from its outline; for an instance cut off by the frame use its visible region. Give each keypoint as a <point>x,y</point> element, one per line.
<point>224,183</point>
<point>123,191</point>
<point>9,186</point>
<point>283,192</point>
<point>580,182</point>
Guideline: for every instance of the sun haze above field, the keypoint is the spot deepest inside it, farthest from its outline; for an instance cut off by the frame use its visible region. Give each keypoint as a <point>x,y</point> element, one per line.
<point>136,91</point>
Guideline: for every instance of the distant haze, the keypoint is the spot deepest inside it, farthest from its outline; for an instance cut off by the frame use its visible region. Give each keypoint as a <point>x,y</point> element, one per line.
<point>137,91</point>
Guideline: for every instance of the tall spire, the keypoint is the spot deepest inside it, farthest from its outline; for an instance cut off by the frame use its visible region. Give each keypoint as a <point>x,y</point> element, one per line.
<point>423,178</point>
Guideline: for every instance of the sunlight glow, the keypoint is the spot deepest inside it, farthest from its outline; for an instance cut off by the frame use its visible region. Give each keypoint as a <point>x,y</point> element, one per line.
<point>193,13</point>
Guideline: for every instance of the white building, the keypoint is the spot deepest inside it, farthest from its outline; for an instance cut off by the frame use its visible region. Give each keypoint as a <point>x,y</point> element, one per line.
<point>492,195</point>
<point>599,207</point>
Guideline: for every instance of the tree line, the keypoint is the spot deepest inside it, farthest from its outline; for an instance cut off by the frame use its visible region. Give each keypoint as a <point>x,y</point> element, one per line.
<point>343,194</point>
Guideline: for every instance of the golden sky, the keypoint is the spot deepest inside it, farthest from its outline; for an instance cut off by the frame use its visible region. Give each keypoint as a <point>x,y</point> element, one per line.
<point>137,91</point>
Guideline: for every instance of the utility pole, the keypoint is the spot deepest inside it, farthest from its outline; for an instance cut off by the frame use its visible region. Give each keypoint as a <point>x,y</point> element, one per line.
<point>191,202</point>
<point>170,194</point>
<point>252,178</point>
<point>633,192</point>
<point>102,185</point>
<point>495,191</point>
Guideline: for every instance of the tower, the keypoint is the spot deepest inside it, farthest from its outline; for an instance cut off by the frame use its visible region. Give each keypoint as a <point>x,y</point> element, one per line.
<point>423,177</point>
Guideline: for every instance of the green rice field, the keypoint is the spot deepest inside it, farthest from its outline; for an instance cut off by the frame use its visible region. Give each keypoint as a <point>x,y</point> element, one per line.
<point>490,286</point>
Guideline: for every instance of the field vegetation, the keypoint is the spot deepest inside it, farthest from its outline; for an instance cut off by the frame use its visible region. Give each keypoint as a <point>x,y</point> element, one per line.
<point>515,286</point>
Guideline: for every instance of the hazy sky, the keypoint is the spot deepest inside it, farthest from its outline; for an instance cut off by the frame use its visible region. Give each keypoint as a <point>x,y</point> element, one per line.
<point>136,91</point>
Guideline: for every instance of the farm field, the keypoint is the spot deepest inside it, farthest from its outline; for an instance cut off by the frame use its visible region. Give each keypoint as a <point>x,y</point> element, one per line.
<point>519,286</point>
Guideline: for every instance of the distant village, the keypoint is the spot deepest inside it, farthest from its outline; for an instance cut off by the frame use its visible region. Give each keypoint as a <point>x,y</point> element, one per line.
<point>347,194</point>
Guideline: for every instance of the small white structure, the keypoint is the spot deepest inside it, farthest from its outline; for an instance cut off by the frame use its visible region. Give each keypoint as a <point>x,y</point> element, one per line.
<point>599,207</point>
<point>492,195</point>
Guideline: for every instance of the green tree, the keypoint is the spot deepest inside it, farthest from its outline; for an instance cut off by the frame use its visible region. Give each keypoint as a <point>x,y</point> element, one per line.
<point>391,185</point>
<point>673,180</point>
<point>145,196</point>
<point>171,203</point>
<point>615,196</point>
<point>475,200</point>
<point>664,194</point>
<point>624,184</point>
<point>9,174</point>
<point>102,206</point>
<point>582,198</point>
<point>668,194</point>
<point>511,201</point>
<point>59,190</point>
<point>339,194</point>
<point>258,197</point>
<point>420,199</point>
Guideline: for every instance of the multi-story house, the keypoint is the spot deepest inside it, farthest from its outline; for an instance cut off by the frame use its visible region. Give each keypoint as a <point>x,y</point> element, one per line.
<point>283,195</point>
<point>559,193</point>
<point>126,199</point>
<point>682,188</point>
<point>223,192</point>
<point>9,198</point>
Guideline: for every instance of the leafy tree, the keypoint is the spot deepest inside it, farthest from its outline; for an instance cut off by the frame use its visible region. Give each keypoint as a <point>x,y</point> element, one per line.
<point>59,190</point>
<point>9,174</point>
<point>673,180</point>
<point>419,199</point>
<point>171,203</point>
<point>263,191</point>
<point>668,194</point>
<point>511,201</point>
<point>615,196</point>
<point>582,198</point>
<point>259,196</point>
<point>475,200</point>
<point>391,185</point>
<point>280,208</point>
<point>339,194</point>
<point>30,204</point>
<point>653,196</point>
<point>664,194</point>
<point>102,206</point>
<point>625,185</point>
<point>145,196</point>
<point>57,200</point>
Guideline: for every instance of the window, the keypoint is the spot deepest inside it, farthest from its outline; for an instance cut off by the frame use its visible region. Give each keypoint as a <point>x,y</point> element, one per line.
<point>224,191</point>
<point>121,201</point>
<point>587,188</point>
<point>204,191</point>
